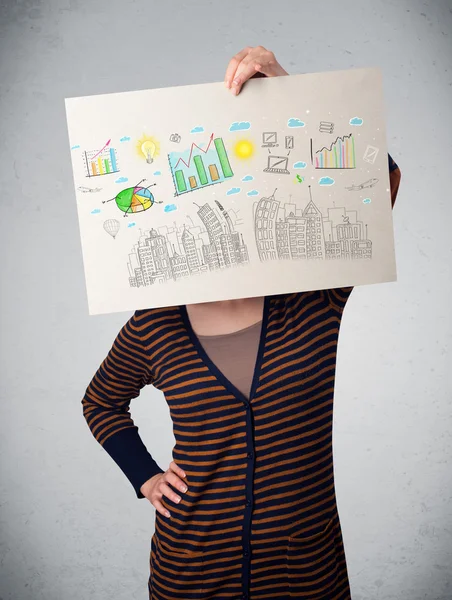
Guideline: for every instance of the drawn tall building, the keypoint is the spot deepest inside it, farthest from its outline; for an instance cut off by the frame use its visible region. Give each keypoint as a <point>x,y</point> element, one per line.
<point>176,253</point>
<point>315,239</point>
<point>179,266</point>
<point>297,227</point>
<point>189,245</point>
<point>306,234</point>
<point>265,227</point>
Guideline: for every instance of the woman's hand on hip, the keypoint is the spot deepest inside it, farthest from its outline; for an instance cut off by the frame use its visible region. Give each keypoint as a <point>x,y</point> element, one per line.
<point>247,63</point>
<point>157,486</point>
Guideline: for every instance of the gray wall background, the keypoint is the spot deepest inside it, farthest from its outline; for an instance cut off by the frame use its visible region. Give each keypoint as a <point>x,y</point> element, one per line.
<point>71,526</point>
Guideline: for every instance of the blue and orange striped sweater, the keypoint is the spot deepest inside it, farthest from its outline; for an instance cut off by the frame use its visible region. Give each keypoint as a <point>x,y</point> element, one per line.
<point>259,520</point>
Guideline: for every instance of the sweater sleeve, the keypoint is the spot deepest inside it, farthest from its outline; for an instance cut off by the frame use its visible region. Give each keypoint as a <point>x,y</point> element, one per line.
<point>119,379</point>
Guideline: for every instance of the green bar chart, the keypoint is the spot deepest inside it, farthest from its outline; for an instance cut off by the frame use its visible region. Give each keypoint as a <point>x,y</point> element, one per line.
<point>200,166</point>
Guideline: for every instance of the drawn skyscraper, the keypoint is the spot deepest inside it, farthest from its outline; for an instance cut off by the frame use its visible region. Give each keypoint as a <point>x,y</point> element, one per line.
<point>265,227</point>
<point>315,240</point>
<point>189,245</point>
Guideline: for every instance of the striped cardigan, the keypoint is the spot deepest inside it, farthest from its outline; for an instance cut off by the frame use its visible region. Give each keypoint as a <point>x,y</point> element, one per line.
<point>259,519</point>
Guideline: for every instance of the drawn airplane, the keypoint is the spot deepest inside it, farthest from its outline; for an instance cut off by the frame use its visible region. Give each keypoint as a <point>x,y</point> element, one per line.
<point>370,183</point>
<point>84,189</point>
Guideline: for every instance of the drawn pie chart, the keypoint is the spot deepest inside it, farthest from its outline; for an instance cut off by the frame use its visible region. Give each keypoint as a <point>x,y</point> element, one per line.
<point>135,199</point>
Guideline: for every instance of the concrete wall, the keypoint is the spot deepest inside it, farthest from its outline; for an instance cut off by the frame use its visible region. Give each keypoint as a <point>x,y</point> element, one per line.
<point>71,526</point>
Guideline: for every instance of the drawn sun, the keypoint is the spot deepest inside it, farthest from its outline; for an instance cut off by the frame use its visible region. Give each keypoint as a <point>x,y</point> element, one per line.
<point>244,149</point>
<point>148,147</point>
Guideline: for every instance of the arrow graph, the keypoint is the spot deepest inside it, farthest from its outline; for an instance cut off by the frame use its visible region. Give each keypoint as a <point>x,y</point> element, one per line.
<point>199,167</point>
<point>339,155</point>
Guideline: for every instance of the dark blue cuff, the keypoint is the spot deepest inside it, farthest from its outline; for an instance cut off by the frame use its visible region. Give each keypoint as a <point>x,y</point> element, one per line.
<point>392,165</point>
<point>126,448</point>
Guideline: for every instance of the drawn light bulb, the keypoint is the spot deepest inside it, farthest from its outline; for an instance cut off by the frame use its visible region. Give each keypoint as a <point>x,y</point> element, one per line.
<point>148,148</point>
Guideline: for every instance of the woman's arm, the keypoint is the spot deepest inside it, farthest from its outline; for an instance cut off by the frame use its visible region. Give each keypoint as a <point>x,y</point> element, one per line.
<point>119,379</point>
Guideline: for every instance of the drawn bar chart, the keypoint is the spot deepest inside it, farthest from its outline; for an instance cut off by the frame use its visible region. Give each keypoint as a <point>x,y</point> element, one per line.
<point>340,155</point>
<point>198,167</point>
<point>102,163</point>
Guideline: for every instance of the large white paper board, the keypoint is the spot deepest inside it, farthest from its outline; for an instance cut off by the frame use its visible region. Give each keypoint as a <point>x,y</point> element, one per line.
<point>190,194</point>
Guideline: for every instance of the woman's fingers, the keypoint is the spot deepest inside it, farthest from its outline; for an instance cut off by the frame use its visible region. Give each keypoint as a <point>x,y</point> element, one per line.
<point>245,71</point>
<point>249,61</point>
<point>165,490</point>
<point>176,469</point>
<point>174,480</point>
<point>160,508</point>
<point>233,64</point>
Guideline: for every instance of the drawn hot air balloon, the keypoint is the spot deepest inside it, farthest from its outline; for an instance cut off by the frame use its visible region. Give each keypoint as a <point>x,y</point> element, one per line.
<point>134,199</point>
<point>112,227</point>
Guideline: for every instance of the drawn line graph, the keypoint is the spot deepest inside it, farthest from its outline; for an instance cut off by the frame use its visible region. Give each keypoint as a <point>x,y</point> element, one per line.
<point>198,167</point>
<point>187,164</point>
<point>100,151</point>
<point>339,155</point>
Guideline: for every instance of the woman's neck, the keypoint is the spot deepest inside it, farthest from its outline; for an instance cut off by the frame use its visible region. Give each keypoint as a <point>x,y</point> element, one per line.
<point>226,316</point>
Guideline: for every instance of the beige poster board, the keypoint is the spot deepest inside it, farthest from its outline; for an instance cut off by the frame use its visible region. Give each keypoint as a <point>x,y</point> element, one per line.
<point>190,194</point>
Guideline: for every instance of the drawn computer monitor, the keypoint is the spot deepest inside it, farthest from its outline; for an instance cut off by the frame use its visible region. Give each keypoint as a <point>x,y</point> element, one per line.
<point>269,139</point>
<point>277,164</point>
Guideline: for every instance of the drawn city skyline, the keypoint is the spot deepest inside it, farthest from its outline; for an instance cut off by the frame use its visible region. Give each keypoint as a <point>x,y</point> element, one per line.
<point>182,251</point>
<point>283,231</point>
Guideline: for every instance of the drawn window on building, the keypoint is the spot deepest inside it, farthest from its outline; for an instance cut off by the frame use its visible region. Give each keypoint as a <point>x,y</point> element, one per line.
<point>259,224</point>
<point>270,234</point>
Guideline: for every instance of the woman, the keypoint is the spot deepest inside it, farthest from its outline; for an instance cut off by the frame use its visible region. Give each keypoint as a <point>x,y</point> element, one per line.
<point>247,508</point>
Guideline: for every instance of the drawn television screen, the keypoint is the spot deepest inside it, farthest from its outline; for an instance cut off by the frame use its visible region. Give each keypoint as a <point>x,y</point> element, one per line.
<point>198,204</point>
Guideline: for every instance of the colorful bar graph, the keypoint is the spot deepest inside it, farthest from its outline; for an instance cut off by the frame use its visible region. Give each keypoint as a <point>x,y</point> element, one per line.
<point>180,181</point>
<point>214,175</point>
<point>223,157</point>
<point>340,155</point>
<point>107,166</point>
<point>200,170</point>
<point>192,181</point>
<point>99,164</point>
<point>94,168</point>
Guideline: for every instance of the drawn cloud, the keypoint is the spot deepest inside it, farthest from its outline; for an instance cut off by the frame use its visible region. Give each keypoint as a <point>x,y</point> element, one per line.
<point>367,201</point>
<point>96,211</point>
<point>326,181</point>
<point>125,139</point>
<point>121,180</point>
<point>197,129</point>
<point>240,126</point>
<point>356,121</point>
<point>295,122</point>
<point>170,208</point>
<point>299,165</point>
<point>253,193</point>
<point>248,178</point>
<point>232,191</point>
<point>131,225</point>
<point>75,147</point>
<point>157,172</point>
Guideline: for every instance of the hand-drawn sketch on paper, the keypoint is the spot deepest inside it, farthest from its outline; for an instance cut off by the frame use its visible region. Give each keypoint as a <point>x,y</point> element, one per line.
<point>112,227</point>
<point>286,231</point>
<point>370,183</point>
<point>340,155</point>
<point>370,155</point>
<point>177,252</point>
<point>101,162</point>
<point>304,205</point>
<point>270,139</point>
<point>148,147</point>
<point>134,199</point>
<point>277,165</point>
<point>198,167</point>
<point>326,127</point>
